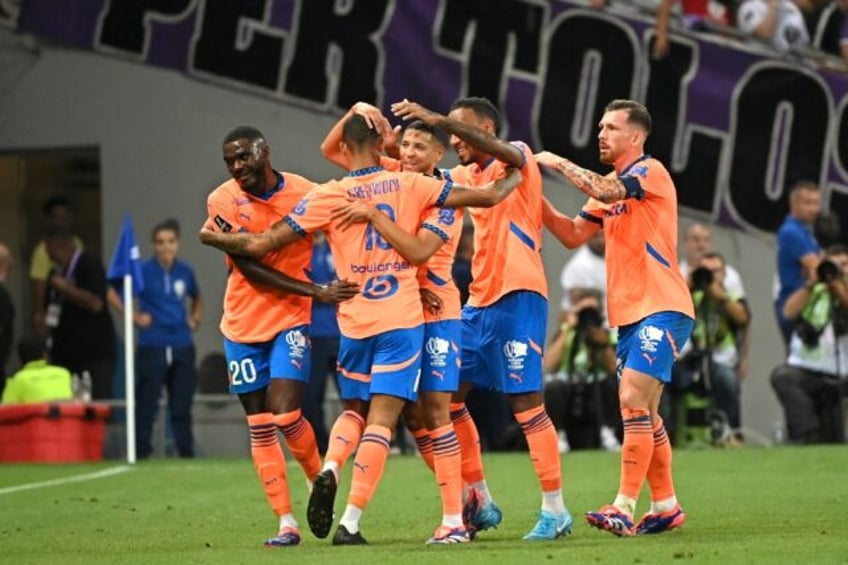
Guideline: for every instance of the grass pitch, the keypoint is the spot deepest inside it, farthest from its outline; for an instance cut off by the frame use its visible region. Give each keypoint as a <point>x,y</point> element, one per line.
<point>786,505</point>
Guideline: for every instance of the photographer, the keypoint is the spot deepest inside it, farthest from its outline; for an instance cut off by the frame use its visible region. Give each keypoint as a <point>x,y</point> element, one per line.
<point>808,385</point>
<point>581,394</point>
<point>707,365</point>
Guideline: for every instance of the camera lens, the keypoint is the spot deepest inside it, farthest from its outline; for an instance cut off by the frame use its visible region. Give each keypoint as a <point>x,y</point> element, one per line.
<point>702,278</point>
<point>827,271</point>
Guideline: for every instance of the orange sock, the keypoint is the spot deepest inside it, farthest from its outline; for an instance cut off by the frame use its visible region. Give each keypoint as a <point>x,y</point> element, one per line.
<point>542,441</point>
<point>300,437</point>
<point>659,471</point>
<point>636,451</point>
<point>344,437</point>
<point>269,461</point>
<point>369,464</point>
<point>447,459</point>
<point>469,443</point>
<point>425,446</point>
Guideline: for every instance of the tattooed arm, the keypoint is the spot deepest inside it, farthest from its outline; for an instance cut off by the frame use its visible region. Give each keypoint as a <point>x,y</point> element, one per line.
<point>605,189</point>
<point>472,135</point>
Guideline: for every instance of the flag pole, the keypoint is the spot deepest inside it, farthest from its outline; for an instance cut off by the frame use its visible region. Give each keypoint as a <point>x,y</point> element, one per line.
<point>129,367</point>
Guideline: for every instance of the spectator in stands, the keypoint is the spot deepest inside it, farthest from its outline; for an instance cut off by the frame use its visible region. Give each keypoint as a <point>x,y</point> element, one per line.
<point>82,338</point>
<point>169,309</point>
<point>696,13</point>
<point>780,23</point>
<point>798,252</point>
<point>708,361</point>
<point>37,380</point>
<point>581,395</point>
<point>585,271</point>
<point>7,313</point>
<point>325,343</point>
<point>808,385</point>
<point>57,213</point>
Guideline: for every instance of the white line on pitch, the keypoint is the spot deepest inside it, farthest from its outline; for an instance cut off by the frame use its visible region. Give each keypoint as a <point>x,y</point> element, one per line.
<point>67,480</point>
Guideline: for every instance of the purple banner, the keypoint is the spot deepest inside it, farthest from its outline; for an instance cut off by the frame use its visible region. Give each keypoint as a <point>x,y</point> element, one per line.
<point>736,126</point>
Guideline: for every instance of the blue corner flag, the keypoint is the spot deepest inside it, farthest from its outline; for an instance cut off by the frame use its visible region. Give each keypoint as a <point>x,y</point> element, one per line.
<point>126,259</point>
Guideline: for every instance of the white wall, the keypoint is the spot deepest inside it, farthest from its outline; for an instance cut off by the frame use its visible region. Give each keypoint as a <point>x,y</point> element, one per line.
<point>160,134</point>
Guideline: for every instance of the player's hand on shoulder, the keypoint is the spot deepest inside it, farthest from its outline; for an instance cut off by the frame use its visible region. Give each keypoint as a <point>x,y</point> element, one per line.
<point>337,291</point>
<point>356,211</point>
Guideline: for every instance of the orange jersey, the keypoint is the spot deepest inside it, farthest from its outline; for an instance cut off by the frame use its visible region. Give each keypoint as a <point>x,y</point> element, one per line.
<point>255,314</point>
<point>436,275</point>
<point>643,276</point>
<point>507,237</point>
<point>389,299</point>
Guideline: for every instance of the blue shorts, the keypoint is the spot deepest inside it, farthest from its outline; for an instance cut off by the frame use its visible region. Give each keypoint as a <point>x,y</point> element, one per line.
<point>440,363</point>
<point>251,366</point>
<point>388,363</point>
<point>652,344</point>
<point>502,343</point>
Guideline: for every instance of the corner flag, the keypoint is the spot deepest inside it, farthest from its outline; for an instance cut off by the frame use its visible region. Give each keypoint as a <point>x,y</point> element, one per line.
<point>126,265</point>
<point>126,259</point>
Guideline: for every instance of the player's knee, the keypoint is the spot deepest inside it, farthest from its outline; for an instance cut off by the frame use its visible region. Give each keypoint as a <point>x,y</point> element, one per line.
<point>631,398</point>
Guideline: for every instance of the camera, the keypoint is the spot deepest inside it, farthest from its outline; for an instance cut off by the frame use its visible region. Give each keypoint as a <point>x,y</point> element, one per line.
<point>808,333</point>
<point>702,278</point>
<point>589,318</point>
<point>828,271</point>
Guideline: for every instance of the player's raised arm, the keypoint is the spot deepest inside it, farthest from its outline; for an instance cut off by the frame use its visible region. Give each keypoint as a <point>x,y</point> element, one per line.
<point>374,118</point>
<point>262,275</point>
<point>477,137</point>
<point>250,244</point>
<point>571,232</point>
<point>599,187</point>
<point>484,197</point>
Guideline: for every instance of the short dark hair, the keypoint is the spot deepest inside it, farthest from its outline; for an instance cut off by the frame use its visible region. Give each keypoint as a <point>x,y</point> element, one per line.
<point>357,133</point>
<point>802,185</point>
<point>166,225</point>
<point>714,255</point>
<point>32,347</point>
<point>483,107</point>
<point>57,201</point>
<point>637,113</point>
<point>249,133</point>
<point>438,134</point>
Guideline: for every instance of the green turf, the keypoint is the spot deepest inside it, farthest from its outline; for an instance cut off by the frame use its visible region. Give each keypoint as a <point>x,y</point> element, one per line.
<point>786,505</point>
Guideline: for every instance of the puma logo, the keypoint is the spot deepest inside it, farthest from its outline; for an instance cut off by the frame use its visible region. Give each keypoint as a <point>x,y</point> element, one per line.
<point>361,467</point>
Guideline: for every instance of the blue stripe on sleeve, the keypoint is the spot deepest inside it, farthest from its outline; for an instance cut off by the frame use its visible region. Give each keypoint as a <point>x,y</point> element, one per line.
<point>293,225</point>
<point>444,195</point>
<point>436,230</point>
<point>591,218</point>
<point>633,187</point>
